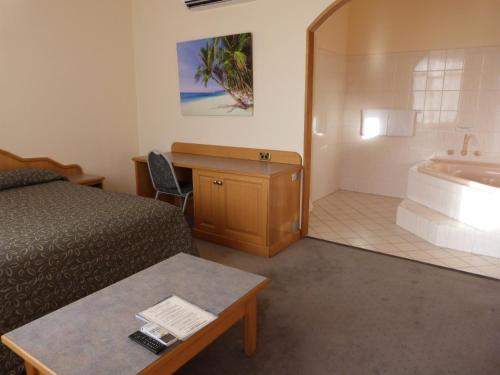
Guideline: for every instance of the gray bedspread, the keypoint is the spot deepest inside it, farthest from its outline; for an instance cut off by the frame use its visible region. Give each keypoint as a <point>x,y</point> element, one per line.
<point>60,242</point>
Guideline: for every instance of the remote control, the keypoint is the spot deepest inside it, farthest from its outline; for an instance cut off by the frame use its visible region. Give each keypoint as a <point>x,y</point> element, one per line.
<point>148,342</point>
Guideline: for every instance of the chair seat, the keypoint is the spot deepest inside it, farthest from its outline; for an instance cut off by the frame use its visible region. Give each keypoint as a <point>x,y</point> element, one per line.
<point>186,187</point>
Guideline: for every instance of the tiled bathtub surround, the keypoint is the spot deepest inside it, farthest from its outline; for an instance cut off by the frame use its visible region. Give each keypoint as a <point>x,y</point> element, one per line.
<point>441,230</point>
<point>369,221</point>
<point>463,216</point>
<point>471,202</point>
<point>453,91</point>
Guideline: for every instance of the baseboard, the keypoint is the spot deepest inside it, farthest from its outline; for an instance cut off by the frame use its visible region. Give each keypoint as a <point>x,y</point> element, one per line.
<point>260,250</point>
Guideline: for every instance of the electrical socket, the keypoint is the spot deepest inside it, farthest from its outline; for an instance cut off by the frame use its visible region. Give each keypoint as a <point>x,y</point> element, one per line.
<point>265,156</point>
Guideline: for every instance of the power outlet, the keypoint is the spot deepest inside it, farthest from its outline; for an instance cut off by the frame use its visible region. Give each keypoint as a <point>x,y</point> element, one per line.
<point>265,156</point>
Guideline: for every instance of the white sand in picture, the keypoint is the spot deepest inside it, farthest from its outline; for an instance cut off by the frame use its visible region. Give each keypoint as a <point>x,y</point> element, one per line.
<point>222,105</point>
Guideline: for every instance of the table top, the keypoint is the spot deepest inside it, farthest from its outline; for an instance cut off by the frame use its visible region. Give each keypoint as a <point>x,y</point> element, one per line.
<point>220,164</point>
<point>90,336</point>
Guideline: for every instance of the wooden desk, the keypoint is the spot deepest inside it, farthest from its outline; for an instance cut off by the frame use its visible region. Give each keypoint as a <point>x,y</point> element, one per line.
<point>246,204</point>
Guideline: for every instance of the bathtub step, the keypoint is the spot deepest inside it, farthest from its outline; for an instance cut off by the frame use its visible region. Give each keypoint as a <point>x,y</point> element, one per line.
<point>444,231</point>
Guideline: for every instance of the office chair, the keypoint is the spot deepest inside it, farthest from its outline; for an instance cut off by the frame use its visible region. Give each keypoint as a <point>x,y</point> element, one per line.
<point>164,180</point>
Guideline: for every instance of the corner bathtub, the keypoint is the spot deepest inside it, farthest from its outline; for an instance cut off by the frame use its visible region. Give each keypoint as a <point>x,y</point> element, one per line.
<point>467,194</point>
<point>483,176</point>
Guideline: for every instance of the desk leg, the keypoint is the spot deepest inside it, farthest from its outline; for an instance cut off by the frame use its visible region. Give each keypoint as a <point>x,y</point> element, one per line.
<point>30,370</point>
<point>251,326</point>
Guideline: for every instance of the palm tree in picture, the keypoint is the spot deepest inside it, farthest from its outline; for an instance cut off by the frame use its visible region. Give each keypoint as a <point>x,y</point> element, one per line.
<point>228,62</point>
<point>235,57</point>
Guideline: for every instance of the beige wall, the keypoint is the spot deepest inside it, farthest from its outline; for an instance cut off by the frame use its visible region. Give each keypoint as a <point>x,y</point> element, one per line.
<point>330,73</point>
<point>279,32</point>
<point>67,84</point>
<point>333,34</point>
<point>378,26</point>
<point>68,67</point>
<point>67,74</point>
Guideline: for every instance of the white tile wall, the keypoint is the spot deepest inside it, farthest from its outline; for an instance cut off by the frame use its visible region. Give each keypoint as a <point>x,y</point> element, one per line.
<point>328,112</point>
<point>454,91</point>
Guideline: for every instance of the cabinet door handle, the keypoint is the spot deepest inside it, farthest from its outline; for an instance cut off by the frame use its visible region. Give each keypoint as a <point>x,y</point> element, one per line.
<point>220,183</point>
<point>215,182</point>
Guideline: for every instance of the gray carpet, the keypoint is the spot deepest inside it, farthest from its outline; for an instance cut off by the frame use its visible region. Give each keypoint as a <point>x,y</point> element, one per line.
<point>332,309</point>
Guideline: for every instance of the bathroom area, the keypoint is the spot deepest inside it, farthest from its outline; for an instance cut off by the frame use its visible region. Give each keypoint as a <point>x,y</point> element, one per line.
<point>406,131</point>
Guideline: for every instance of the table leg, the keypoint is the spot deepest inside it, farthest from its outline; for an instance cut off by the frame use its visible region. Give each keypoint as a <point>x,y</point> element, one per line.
<point>251,326</point>
<point>30,370</point>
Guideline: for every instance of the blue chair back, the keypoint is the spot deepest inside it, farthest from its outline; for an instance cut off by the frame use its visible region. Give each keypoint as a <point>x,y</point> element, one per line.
<point>162,172</point>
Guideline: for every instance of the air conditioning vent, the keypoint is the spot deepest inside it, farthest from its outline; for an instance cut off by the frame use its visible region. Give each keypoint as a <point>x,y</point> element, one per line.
<point>196,4</point>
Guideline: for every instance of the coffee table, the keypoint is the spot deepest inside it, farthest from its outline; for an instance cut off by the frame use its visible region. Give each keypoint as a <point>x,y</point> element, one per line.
<point>90,336</point>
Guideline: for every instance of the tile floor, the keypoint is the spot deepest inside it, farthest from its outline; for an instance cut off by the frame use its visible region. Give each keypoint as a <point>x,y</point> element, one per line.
<point>369,222</point>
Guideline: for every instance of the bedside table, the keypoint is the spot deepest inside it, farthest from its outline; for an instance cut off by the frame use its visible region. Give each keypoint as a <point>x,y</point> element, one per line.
<point>86,179</point>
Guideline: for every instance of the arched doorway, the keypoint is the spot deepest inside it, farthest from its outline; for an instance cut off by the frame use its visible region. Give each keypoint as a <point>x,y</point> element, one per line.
<point>309,108</point>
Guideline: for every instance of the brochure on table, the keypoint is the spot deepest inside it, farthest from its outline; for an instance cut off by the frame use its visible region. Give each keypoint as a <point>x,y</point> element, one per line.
<point>177,316</point>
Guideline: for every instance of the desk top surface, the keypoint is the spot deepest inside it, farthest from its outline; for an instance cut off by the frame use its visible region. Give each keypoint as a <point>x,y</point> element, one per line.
<point>248,167</point>
<point>90,336</point>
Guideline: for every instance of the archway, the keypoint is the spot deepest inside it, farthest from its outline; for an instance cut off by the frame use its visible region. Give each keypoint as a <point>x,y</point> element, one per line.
<point>306,192</point>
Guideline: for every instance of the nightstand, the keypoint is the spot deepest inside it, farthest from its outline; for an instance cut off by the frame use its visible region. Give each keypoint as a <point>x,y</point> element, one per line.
<point>87,180</point>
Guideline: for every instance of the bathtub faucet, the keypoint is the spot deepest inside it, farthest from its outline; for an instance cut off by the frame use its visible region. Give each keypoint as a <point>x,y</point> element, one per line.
<point>465,147</point>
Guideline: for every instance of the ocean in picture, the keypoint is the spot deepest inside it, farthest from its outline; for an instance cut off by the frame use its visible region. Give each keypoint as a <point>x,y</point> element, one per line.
<point>216,76</point>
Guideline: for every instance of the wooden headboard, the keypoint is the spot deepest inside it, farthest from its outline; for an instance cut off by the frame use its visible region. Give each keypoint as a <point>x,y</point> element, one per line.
<point>10,161</point>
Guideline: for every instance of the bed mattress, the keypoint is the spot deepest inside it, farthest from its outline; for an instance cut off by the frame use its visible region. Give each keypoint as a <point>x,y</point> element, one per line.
<point>60,242</point>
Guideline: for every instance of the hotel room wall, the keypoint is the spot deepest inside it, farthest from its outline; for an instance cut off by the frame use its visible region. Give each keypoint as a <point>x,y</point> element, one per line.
<point>67,87</point>
<point>382,26</point>
<point>330,73</point>
<point>279,32</point>
<point>434,58</point>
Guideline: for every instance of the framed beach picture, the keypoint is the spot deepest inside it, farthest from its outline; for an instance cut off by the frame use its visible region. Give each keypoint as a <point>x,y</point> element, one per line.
<point>216,76</point>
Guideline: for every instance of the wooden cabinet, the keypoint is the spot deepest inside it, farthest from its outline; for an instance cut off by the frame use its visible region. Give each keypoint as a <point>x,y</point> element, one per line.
<point>235,210</point>
<point>207,198</point>
<point>244,208</point>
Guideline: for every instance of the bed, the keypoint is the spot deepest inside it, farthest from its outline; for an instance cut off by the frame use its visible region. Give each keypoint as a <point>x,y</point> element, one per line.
<point>60,241</point>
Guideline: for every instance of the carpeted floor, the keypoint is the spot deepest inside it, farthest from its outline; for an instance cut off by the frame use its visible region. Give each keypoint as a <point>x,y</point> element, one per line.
<point>332,309</point>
